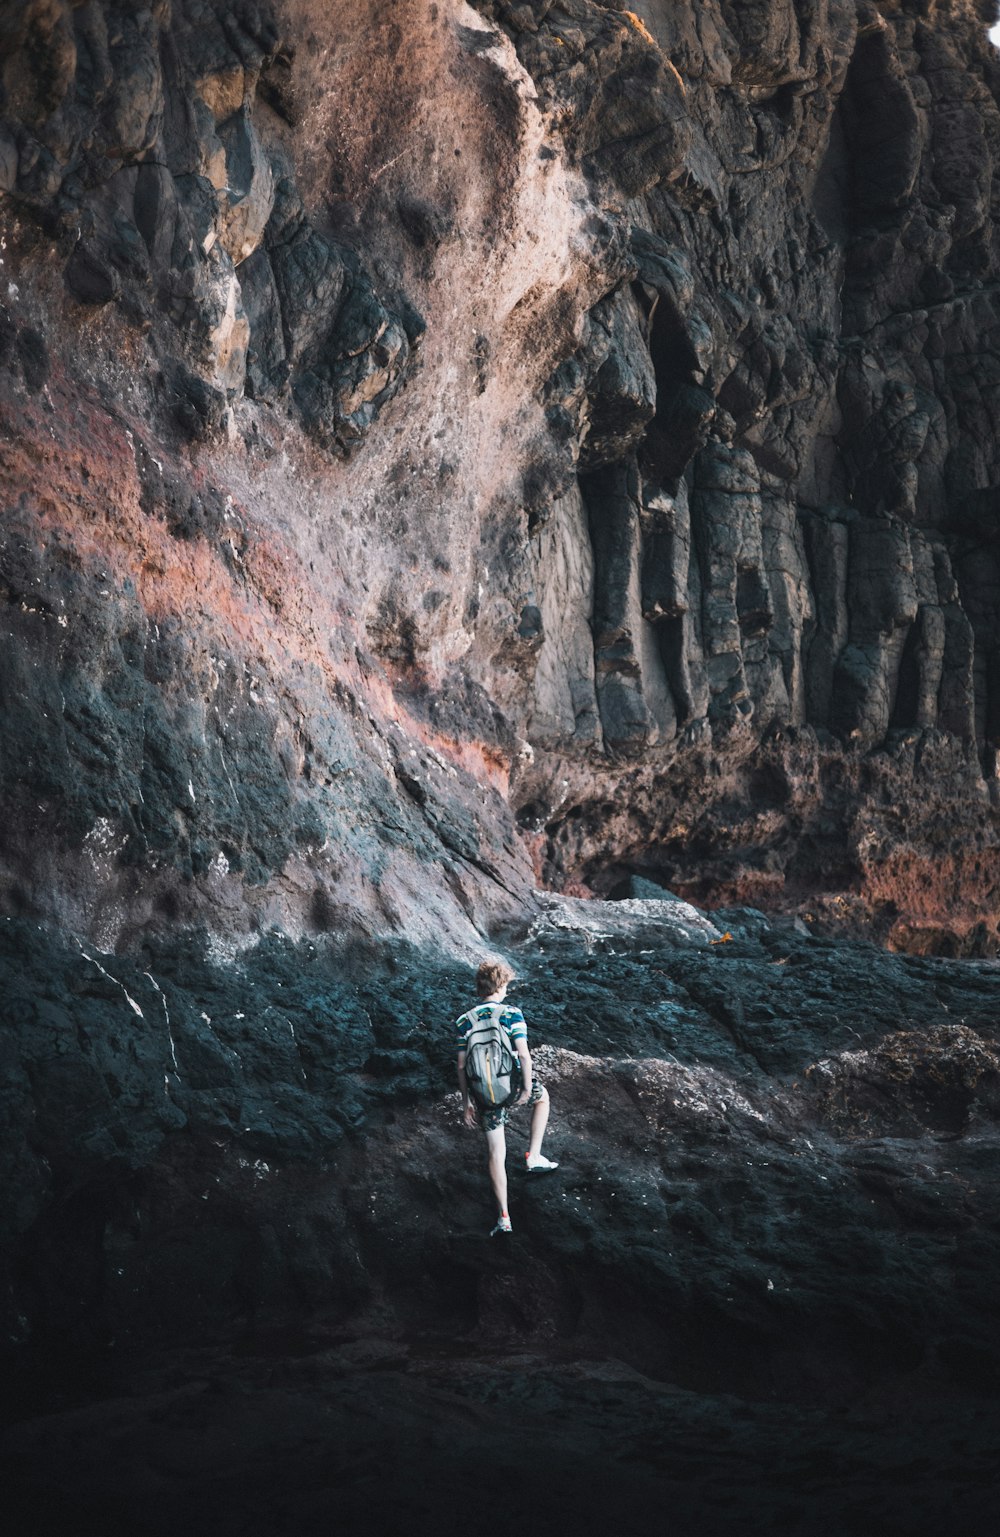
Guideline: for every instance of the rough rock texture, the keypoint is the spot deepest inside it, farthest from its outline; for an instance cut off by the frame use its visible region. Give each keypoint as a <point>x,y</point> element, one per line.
<point>785,597</point>
<point>453,451</point>
<point>662,348</point>
<point>251,1235</point>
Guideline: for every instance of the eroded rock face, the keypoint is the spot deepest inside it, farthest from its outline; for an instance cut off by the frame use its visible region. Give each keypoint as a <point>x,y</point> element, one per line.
<point>678,539</point>
<point>136,138</point>
<point>776,551</point>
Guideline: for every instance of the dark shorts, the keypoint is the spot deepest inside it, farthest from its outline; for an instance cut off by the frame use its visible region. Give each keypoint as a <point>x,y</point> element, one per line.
<point>492,1117</point>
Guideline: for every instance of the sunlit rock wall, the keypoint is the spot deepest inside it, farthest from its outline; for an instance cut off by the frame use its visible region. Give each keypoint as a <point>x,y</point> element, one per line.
<point>449,447</point>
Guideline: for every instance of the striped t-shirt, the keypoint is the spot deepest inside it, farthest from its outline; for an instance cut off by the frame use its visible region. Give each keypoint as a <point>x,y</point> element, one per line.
<point>511,1020</point>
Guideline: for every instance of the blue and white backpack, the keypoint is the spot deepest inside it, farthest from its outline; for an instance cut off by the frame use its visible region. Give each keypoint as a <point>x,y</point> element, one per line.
<point>489,1057</point>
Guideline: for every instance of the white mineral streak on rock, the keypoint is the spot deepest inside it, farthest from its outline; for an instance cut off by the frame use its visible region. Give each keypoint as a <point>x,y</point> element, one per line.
<point>166,1015</point>
<point>129,999</point>
<point>295,1043</point>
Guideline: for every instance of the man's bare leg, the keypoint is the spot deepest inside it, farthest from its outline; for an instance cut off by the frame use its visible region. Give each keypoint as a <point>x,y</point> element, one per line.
<point>496,1153</point>
<point>539,1121</point>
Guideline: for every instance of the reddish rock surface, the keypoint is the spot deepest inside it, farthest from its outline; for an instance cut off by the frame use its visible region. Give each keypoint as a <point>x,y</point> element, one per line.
<point>652,501</point>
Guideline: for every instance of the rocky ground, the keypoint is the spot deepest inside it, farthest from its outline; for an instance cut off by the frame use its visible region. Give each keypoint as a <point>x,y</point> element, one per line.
<point>297,1431</point>
<point>253,1271</point>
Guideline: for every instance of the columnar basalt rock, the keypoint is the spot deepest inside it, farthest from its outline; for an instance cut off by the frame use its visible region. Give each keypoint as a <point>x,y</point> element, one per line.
<point>814,396</point>
<point>696,455</point>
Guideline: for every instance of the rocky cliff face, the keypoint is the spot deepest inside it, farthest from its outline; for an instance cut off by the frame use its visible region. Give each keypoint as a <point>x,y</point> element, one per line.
<point>447,416</point>
<point>785,600</point>
<point>462,459</point>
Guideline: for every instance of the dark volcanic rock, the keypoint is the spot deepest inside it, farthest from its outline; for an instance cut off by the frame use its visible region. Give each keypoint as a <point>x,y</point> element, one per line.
<point>152,1082</point>
<point>772,1223</point>
<point>136,134</point>
<point>672,574</point>
<point>861,627</point>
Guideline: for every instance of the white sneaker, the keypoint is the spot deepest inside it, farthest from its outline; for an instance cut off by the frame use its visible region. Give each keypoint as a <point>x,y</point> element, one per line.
<point>539,1165</point>
<point>503,1226</point>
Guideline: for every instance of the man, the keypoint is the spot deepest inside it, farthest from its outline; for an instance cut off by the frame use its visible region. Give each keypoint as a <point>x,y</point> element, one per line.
<point>492,982</point>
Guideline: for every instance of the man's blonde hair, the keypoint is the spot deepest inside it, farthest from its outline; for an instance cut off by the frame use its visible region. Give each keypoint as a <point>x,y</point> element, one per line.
<point>491,977</point>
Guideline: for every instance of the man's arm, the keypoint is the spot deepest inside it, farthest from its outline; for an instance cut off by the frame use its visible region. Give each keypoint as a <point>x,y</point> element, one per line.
<point>468,1108</point>
<point>524,1057</point>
